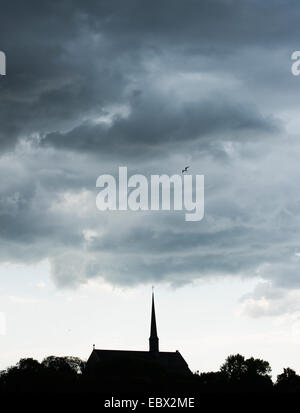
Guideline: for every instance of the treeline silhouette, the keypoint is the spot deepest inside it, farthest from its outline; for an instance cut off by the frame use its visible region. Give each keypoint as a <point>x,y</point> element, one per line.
<point>71,375</point>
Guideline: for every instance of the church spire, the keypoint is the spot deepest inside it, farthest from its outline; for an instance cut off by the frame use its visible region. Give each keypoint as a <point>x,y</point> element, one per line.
<point>153,340</point>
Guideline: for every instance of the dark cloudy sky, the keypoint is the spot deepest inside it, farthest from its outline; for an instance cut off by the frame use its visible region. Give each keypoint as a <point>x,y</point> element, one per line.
<point>152,85</point>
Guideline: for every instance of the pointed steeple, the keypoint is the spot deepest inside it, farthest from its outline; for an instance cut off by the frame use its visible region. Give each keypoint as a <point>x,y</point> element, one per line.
<point>153,340</point>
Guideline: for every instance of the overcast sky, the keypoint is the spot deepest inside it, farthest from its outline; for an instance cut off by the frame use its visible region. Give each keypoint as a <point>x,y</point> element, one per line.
<point>154,86</point>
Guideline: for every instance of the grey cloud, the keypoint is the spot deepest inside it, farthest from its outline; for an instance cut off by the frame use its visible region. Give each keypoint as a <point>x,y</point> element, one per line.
<point>68,60</point>
<point>155,122</point>
<point>205,82</point>
<point>268,300</point>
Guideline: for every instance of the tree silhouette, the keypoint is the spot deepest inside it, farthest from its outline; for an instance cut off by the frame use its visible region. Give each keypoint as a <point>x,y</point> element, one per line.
<point>247,374</point>
<point>53,374</point>
<point>288,382</point>
<point>234,367</point>
<point>64,364</point>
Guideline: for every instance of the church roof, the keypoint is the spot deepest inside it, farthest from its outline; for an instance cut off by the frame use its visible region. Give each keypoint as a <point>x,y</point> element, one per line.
<point>171,361</point>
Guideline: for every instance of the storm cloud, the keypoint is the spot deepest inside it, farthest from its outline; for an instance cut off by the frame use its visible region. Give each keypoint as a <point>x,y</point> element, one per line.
<point>95,85</point>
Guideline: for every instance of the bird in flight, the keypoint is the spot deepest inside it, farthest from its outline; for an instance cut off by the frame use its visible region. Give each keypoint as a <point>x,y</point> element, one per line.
<point>185,169</point>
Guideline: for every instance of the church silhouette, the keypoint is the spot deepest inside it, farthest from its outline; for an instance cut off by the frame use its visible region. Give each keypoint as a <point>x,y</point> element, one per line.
<point>170,362</point>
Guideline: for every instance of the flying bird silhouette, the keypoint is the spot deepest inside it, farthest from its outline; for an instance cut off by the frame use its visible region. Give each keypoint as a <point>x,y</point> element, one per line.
<point>185,169</point>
